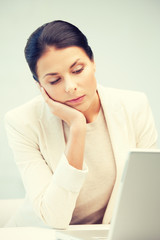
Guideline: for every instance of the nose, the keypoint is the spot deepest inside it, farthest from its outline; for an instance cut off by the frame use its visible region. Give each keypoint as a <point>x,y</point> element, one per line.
<point>70,86</point>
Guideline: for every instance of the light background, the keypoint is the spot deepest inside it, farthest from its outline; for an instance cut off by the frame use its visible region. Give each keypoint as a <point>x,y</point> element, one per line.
<point>124,36</point>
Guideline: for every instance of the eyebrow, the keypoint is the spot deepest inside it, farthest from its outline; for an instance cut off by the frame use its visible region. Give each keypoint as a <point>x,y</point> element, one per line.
<point>53,74</point>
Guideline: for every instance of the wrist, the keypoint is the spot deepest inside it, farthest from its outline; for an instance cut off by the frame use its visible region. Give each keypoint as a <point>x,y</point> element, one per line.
<point>78,125</point>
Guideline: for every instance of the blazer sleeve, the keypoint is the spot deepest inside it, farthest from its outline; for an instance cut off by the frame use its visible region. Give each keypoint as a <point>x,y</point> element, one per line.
<point>53,195</point>
<point>145,130</point>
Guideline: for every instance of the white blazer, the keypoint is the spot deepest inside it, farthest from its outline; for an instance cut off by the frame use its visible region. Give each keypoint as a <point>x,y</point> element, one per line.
<point>37,139</point>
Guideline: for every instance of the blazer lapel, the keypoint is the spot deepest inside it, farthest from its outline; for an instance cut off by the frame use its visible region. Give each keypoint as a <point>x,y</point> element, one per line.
<point>116,122</point>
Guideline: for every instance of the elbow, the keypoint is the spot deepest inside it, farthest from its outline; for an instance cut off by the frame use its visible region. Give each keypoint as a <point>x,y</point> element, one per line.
<point>55,214</point>
<point>57,221</point>
<point>62,226</point>
<point>58,224</point>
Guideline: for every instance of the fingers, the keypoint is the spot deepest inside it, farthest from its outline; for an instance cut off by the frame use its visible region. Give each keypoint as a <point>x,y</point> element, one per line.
<point>45,96</point>
<point>44,93</point>
<point>42,90</point>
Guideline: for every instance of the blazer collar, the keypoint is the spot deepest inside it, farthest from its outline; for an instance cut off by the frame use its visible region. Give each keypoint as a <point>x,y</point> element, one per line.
<point>115,118</point>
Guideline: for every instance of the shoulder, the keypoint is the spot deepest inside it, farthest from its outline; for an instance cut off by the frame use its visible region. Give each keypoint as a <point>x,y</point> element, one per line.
<point>125,98</point>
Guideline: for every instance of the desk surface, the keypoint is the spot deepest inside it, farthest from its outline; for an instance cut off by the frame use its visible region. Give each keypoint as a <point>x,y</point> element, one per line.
<point>32,233</point>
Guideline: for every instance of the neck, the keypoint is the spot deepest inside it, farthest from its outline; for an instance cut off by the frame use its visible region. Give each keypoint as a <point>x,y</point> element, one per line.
<point>92,112</point>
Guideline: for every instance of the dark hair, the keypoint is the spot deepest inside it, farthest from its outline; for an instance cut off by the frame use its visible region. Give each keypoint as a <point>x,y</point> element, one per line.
<point>58,33</point>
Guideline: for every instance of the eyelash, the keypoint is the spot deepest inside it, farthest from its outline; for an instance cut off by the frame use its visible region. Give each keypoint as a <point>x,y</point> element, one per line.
<point>75,72</point>
<point>78,71</point>
<point>54,82</point>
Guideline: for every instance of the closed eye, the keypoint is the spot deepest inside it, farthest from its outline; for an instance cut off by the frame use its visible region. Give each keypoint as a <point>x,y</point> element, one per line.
<point>78,71</point>
<point>56,81</point>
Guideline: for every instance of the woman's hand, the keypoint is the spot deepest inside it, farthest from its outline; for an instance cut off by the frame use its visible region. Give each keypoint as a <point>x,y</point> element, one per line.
<point>68,114</point>
<point>77,122</point>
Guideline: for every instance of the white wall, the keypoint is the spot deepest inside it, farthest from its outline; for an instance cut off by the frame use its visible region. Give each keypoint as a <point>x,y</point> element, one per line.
<point>124,36</point>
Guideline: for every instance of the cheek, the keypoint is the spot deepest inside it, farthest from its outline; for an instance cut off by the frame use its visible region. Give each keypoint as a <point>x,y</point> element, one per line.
<point>90,80</point>
<point>54,92</point>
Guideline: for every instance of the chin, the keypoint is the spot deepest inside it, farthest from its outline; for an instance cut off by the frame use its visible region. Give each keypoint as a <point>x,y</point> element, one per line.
<point>82,108</point>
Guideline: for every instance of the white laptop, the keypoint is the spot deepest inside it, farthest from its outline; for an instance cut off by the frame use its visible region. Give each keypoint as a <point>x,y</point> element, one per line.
<point>137,212</point>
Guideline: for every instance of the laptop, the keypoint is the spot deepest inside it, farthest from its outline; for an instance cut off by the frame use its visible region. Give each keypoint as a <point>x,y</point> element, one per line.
<point>137,211</point>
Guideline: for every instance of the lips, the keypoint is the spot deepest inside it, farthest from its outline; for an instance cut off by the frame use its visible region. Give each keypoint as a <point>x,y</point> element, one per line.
<point>76,100</point>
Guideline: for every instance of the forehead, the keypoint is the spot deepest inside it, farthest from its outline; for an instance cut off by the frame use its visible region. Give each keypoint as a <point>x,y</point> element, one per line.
<point>57,59</point>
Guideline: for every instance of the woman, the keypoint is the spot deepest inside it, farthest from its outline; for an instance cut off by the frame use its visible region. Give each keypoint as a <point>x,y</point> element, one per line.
<point>71,148</point>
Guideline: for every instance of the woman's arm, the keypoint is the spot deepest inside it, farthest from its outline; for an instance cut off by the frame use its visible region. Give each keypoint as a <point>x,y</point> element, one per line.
<point>53,195</point>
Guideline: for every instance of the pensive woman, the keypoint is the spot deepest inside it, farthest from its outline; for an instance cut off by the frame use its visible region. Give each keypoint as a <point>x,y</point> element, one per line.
<point>70,142</point>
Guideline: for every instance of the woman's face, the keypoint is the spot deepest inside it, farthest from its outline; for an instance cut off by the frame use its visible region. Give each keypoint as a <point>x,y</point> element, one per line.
<point>68,76</point>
